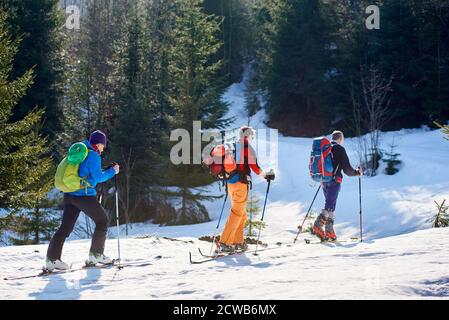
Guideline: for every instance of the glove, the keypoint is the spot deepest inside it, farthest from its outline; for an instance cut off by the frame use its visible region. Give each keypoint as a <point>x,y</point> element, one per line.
<point>270,176</point>
<point>111,165</point>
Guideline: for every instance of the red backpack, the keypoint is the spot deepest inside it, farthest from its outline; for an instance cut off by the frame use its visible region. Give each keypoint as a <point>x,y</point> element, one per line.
<point>221,162</point>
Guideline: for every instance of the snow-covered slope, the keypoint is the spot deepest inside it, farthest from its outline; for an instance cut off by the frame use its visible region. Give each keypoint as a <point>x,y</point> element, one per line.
<point>408,266</point>
<point>401,257</point>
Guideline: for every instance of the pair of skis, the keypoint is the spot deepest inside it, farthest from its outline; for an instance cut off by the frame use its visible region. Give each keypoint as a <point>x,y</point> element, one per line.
<point>115,263</point>
<point>207,258</point>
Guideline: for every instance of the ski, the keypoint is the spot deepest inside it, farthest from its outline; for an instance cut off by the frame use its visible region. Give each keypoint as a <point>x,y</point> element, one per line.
<point>204,260</point>
<point>313,241</point>
<point>223,254</point>
<point>208,258</point>
<point>88,265</point>
<point>46,272</point>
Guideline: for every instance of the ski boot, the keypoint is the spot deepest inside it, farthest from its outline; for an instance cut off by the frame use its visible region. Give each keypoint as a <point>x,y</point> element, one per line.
<point>241,247</point>
<point>330,233</point>
<point>52,265</point>
<point>224,249</point>
<point>98,258</point>
<point>317,228</point>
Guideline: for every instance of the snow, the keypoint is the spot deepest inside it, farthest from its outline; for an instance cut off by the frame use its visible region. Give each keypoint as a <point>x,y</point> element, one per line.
<point>407,266</point>
<point>400,258</point>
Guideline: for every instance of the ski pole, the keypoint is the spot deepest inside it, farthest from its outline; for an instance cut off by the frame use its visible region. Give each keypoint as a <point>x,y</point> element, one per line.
<point>118,223</point>
<point>219,220</point>
<point>263,215</point>
<point>308,212</point>
<point>360,201</point>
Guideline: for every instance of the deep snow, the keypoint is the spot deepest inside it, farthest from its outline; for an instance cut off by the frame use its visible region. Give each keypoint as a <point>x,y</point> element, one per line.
<point>401,258</point>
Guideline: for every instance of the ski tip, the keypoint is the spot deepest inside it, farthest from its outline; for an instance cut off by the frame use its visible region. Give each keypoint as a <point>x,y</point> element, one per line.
<point>190,257</point>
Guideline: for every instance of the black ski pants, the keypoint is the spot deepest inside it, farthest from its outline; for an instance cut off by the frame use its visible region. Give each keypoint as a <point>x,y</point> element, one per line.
<point>72,208</point>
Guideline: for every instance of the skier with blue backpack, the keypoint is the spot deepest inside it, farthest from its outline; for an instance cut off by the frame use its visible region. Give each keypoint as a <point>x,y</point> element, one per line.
<point>77,176</point>
<point>328,160</point>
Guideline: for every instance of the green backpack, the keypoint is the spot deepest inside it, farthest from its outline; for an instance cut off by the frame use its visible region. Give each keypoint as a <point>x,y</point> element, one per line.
<point>67,178</point>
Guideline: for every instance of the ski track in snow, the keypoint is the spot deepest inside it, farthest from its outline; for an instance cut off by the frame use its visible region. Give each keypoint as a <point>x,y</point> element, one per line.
<point>401,257</point>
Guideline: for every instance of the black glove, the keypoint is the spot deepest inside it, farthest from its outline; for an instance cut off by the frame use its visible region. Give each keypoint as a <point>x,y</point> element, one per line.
<point>113,164</point>
<point>270,176</point>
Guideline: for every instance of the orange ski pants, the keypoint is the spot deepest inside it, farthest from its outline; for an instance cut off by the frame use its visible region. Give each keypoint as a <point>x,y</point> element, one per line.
<point>233,232</point>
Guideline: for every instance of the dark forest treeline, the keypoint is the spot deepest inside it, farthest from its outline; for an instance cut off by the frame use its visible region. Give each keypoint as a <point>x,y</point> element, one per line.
<point>313,55</point>
<point>139,69</point>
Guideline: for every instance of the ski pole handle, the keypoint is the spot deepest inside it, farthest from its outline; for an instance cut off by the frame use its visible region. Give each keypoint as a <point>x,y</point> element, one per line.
<point>270,175</point>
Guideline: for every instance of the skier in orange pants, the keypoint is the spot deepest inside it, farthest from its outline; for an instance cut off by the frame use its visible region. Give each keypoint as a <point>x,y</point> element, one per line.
<point>232,236</point>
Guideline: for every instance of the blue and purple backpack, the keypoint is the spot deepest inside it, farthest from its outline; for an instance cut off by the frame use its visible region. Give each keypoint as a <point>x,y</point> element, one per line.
<point>321,167</point>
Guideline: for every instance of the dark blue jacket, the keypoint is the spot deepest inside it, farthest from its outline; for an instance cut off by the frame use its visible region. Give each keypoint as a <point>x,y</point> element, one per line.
<point>90,170</point>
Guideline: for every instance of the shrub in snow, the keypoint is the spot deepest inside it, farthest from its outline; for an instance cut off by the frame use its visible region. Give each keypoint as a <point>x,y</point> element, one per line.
<point>253,210</point>
<point>392,160</point>
<point>441,219</point>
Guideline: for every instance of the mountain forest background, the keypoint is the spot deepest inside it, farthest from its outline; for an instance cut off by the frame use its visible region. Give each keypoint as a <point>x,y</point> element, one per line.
<point>139,69</point>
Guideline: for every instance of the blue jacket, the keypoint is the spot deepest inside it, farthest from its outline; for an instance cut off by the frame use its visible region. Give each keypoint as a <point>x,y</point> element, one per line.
<point>90,170</point>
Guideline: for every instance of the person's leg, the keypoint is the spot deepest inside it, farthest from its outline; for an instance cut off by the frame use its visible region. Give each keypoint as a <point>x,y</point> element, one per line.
<point>330,233</point>
<point>240,232</point>
<point>331,203</point>
<point>239,195</point>
<point>320,221</point>
<point>93,209</point>
<point>332,191</point>
<point>69,218</point>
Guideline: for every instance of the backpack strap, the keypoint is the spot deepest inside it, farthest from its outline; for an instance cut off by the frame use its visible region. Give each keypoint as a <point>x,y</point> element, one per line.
<point>338,179</point>
<point>84,179</point>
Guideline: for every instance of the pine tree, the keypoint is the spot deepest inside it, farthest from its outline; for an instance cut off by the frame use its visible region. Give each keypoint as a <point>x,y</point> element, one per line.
<point>37,225</point>
<point>441,219</point>
<point>253,210</point>
<point>253,93</point>
<point>158,22</point>
<point>417,60</point>
<point>90,80</point>
<point>195,96</point>
<point>197,86</point>
<point>39,23</point>
<point>392,160</point>
<point>444,129</point>
<point>136,123</point>
<point>298,79</point>
<point>235,34</point>
<point>24,169</point>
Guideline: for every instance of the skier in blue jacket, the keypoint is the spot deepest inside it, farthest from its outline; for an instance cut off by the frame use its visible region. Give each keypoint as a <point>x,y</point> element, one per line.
<point>85,200</point>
